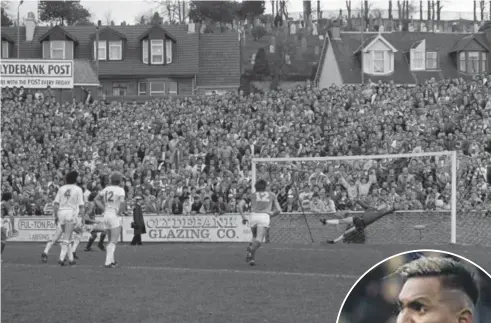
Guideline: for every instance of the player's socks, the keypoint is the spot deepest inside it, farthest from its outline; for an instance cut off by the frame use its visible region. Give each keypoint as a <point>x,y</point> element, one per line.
<point>90,242</point>
<point>110,253</point>
<point>69,252</point>
<point>76,242</point>
<point>255,245</point>
<point>64,249</point>
<point>3,245</point>
<point>48,247</point>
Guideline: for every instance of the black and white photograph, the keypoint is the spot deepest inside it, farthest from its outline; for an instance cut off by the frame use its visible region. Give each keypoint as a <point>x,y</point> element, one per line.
<point>174,161</point>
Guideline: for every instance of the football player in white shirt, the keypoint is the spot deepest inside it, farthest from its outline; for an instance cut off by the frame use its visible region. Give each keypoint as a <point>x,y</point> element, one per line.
<point>111,201</point>
<point>69,203</point>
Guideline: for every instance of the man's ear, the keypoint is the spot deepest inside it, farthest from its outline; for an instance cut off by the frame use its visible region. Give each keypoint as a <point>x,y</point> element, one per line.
<point>465,316</point>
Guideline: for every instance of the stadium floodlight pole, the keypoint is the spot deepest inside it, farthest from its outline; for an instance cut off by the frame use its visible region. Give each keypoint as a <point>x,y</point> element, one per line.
<point>453,199</point>
<point>18,28</point>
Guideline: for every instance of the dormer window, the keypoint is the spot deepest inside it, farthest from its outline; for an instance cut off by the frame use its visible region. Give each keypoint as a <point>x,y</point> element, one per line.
<point>102,49</point>
<point>109,50</point>
<point>379,61</point>
<point>377,55</point>
<point>473,62</point>
<point>157,46</point>
<point>168,51</point>
<point>115,50</point>
<point>157,49</point>
<point>57,49</point>
<point>421,60</point>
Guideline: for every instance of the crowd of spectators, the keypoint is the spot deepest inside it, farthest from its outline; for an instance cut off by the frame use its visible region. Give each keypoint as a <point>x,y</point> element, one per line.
<point>192,155</point>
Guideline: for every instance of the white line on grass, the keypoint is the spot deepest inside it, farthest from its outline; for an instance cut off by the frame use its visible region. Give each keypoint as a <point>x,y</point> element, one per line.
<point>199,270</point>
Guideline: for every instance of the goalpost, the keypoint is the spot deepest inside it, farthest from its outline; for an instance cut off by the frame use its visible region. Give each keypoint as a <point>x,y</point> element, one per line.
<point>426,187</point>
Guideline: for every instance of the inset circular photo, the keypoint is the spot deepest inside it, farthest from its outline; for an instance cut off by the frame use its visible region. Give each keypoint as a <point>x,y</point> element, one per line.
<point>420,286</point>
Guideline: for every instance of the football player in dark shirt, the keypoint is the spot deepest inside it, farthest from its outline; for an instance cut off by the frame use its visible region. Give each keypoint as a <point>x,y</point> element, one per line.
<point>357,224</point>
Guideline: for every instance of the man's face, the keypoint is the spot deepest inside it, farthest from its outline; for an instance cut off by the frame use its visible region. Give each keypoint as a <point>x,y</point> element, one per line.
<point>423,300</point>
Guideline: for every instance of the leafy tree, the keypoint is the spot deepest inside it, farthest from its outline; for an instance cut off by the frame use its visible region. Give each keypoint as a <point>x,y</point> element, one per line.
<point>258,32</point>
<point>216,11</point>
<point>251,9</point>
<point>261,65</point>
<point>123,23</point>
<point>6,21</point>
<point>69,12</point>
<point>156,19</point>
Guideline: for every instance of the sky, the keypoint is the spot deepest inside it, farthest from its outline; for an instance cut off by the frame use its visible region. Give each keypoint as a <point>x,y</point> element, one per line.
<point>127,10</point>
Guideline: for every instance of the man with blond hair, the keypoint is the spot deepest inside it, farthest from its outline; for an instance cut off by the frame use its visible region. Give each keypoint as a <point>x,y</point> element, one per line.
<point>437,290</point>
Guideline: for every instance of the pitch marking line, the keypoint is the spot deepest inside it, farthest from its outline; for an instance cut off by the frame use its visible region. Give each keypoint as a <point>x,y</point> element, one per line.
<point>199,270</point>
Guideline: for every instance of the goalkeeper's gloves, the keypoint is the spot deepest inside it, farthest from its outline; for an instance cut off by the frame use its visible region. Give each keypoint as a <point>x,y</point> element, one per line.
<point>245,221</point>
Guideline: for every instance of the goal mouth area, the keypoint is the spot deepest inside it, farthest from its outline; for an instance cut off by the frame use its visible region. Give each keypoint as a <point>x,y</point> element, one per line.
<point>426,187</point>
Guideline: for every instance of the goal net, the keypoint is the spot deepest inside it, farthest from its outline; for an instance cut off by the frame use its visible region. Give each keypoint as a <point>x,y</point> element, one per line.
<point>441,197</point>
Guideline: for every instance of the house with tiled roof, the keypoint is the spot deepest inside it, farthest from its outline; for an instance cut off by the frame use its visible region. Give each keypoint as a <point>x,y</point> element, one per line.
<point>134,60</point>
<point>401,57</point>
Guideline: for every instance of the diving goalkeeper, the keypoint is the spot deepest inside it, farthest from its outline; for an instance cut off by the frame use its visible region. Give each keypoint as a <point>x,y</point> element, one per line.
<point>358,223</point>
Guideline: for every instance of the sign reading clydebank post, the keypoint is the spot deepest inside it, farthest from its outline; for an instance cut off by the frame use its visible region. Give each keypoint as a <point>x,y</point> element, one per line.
<point>37,73</point>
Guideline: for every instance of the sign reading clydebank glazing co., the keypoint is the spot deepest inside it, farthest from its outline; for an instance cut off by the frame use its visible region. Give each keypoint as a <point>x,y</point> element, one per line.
<point>192,228</point>
<point>37,73</point>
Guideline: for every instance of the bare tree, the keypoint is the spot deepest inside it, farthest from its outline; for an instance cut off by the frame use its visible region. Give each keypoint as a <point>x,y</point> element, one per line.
<point>348,8</point>
<point>475,11</point>
<point>399,12</point>
<point>366,10</point>
<point>390,10</point>
<point>482,5</point>
<point>433,10</point>
<point>429,10</point>
<point>108,17</point>
<point>283,10</point>
<point>439,7</point>
<point>376,13</point>
<point>421,10</point>
<point>174,11</point>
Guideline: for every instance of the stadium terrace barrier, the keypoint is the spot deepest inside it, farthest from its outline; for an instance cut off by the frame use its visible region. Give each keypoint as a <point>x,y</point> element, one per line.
<point>473,228</point>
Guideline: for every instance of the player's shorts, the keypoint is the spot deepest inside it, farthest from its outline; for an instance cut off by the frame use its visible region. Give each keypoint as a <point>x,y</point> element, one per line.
<point>111,221</point>
<point>66,216</point>
<point>259,220</point>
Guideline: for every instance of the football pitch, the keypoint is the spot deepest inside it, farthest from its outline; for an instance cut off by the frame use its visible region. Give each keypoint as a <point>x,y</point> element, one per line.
<point>180,283</point>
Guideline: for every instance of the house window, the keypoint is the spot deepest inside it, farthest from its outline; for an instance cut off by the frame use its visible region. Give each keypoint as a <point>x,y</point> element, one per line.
<point>418,60</point>
<point>462,62</point>
<point>5,49</point>
<point>115,50</point>
<point>101,50</point>
<point>157,48</point>
<point>57,48</point>
<point>473,62</point>
<point>142,88</point>
<point>145,51</point>
<point>484,62</point>
<point>172,88</point>
<point>431,60</point>
<point>168,51</point>
<point>157,88</point>
<point>119,89</point>
<point>378,61</point>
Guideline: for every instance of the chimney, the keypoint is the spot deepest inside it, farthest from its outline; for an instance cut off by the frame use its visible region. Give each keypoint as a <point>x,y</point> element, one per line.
<point>30,26</point>
<point>191,28</point>
<point>335,32</point>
